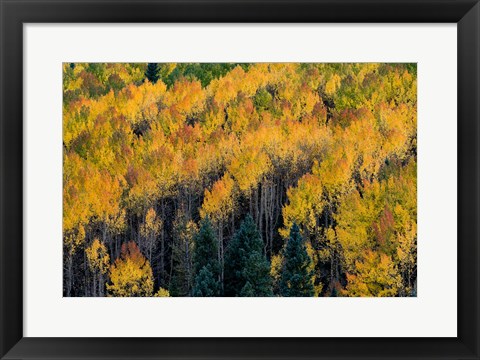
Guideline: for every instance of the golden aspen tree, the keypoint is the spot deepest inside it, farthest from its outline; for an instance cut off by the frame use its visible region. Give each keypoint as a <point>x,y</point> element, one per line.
<point>149,231</point>
<point>162,293</point>
<point>375,276</point>
<point>218,205</point>
<point>98,262</point>
<point>130,274</point>
<point>305,206</point>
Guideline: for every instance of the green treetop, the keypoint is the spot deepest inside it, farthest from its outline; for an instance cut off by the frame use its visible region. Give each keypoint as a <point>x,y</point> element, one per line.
<point>296,278</point>
<point>247,270</point>
<point>205,259</point>
<point>152,72</point>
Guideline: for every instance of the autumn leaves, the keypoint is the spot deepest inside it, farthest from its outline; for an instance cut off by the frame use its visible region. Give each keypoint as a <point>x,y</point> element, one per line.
<point>328,149</point>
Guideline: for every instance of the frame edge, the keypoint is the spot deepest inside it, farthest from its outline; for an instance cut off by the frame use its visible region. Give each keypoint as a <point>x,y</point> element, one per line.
<point>468,256</point>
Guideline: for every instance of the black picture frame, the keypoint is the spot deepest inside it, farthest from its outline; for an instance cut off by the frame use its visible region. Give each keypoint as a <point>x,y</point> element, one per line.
<point>15,13</point>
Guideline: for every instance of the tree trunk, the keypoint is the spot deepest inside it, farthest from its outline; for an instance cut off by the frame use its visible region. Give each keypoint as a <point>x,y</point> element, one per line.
<point>101,285</point>
<point>257,217</point>
<point>187,266</point>
<point>69,274</point>
<point>94,288</point>
<point>220,251</point>
<point>162,248</point>
<point>260,217</point>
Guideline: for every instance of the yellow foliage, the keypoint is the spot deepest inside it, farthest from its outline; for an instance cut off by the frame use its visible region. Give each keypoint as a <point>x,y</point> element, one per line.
<point>276,267</point>
<point>333,84</point>
<point>305,205</point>
<point>130,274</point>
<point>162,293</point>
<point>249,165</point>
<point>185,97</point>
<point>97,256</point>
<point>337,139</point>
<point>73,238</point>
<point>219,202</point>
<point>152,224</point>
<point>383,215</point>
<point>376,276</point>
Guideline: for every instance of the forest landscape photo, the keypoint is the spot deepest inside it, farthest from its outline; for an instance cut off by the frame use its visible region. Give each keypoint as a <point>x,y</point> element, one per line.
<point>239,180</point>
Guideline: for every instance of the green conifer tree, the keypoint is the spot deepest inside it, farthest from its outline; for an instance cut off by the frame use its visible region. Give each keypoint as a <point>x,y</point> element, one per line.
<point>152,72</point>
<point>247,290</point>
<point>247,270</point>
<point>205,259</point>
<point>296,279</point>
<point>206,284</point>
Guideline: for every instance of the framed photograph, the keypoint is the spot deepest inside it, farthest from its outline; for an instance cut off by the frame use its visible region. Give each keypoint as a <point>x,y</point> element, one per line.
<point>244,180</point>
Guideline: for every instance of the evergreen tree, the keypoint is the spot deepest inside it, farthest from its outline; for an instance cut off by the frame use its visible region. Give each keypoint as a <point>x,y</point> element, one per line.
<point>247,270</point>
<point>206,283</point>
<point>247,290</point>
<point>296,279</point>
<point>152,72</point>
<point>205,259</point>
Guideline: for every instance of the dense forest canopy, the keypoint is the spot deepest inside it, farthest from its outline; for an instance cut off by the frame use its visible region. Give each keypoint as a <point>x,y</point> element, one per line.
<point>265,179</point>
